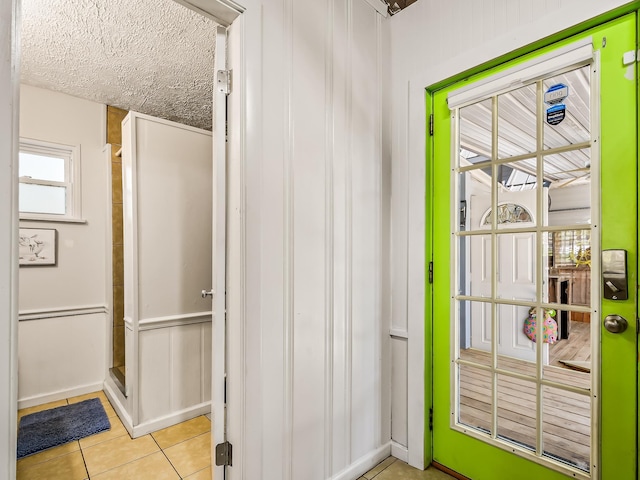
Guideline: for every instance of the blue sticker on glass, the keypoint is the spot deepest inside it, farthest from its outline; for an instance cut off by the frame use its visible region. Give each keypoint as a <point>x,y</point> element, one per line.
<point>556,114</point>
<point>556,94</point>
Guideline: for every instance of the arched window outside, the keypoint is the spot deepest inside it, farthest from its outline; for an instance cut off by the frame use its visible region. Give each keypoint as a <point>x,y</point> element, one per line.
<point>508,213</point>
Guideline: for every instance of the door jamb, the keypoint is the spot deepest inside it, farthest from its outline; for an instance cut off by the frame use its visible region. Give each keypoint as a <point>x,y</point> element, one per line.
<point>9,126</point>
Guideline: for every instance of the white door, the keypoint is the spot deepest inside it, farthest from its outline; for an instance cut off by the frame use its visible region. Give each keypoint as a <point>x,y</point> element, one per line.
<point>9,96</point>
<point>219,270</point>
<point>516,257</point>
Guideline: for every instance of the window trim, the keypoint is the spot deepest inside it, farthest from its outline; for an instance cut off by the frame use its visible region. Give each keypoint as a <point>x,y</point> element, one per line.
<point>72,183</point>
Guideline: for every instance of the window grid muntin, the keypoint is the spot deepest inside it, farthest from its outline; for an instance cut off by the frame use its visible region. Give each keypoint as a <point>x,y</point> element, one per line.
<point>72,177</point>
<point>540,254</point>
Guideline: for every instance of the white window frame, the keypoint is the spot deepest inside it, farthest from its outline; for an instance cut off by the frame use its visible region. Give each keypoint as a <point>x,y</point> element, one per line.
<point>71,155</point>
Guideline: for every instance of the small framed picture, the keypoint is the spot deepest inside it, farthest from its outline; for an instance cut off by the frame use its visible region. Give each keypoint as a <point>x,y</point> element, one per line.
<point>37,246</point>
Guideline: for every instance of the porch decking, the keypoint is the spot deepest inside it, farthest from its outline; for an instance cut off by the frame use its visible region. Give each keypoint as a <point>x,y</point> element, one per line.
<point>566,415</point>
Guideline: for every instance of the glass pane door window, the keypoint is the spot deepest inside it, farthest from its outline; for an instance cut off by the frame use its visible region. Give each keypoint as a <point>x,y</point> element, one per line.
<point>532,178</point>
<point>521,295</point>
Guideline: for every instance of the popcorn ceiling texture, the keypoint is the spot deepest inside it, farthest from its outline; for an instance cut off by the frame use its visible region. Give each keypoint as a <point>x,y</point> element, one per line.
<point>149,56</point>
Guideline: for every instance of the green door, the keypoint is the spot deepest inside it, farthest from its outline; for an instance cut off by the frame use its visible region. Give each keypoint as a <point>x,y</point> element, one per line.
<point>533,177</point>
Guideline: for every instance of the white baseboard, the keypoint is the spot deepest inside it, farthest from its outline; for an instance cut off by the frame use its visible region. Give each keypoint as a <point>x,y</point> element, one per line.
<point>399,451</point>
<point>117,401</point>
<point>172,419</point>
<point>59,395</point>
<point>364,463</point>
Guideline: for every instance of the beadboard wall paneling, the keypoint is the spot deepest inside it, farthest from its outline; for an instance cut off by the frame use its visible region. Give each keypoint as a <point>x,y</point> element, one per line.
<point>175,369</point>
<point>309,374</point>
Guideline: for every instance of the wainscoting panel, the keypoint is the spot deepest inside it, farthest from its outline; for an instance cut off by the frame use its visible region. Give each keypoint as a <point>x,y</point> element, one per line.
<point>175,369</point>
<point>154,379</point>
<point>399,391</point>
<point>75,349</point>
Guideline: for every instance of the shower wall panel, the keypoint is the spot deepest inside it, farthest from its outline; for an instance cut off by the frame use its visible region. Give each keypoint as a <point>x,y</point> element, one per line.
<point>167,205</point>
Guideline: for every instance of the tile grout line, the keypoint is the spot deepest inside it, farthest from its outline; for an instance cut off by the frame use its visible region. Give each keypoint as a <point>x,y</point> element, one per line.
<point>165,456</point>
<point>117,466</point>
<point>394,461</point>
<point>96,444</point>
<point>186,439</point>
<point>84,461</point>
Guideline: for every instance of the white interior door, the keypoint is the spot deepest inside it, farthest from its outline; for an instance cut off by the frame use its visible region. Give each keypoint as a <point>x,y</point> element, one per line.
<point>515,275</point>
<point>9,98</point>
<point>219,270</point>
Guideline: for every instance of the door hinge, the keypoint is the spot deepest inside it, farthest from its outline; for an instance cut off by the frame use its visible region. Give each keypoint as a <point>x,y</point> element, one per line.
<point>223,454</point>
<point>225,388</point>
<point>431,419</point>
<point>431,124</point>
<point>629,57</point>
<point>430,272</point>
<point>223,81</point>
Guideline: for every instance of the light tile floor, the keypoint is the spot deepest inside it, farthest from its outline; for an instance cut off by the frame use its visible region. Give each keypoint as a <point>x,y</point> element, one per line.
<point>182,451</point>
<point>394,469</point>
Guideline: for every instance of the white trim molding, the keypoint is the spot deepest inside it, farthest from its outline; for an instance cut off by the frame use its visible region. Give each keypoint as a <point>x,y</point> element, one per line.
<point>173,320</point>
<point>169,420</point>
<point>118,402</point>
<point>365,463</point>
<point>42,313</point>
<point>223,12</point>
<point>59,395</point>
<point>9,126</point>
<point>574,54</point>
<point>72,183</point>
<point>399,451</point>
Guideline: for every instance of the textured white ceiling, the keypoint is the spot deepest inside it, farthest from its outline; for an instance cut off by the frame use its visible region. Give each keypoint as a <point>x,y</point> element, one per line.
<point>150,56</point>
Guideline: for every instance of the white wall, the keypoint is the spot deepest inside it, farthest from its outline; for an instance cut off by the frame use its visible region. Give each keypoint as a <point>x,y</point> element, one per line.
<point>53,334</point>
<point>430,41</point>
<point>309,366</point>
<point>9,102</point>
<point>79,278</point>
<point>61,357</point>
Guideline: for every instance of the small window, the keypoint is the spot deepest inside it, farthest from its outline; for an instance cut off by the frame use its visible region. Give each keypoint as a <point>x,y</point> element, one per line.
<point>49,181</point>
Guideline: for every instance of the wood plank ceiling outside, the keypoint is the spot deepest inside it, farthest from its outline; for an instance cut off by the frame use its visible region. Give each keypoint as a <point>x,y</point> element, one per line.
<point>517,131</point>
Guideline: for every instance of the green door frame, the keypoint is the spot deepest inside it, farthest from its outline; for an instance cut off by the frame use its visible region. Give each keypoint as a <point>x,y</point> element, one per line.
<point>431,189</point>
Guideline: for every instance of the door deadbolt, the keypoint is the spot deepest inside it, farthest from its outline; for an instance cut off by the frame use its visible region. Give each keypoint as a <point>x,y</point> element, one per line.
<point>615,323</point>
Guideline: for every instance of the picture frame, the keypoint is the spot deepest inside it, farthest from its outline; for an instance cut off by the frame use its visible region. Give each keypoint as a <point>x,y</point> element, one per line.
<point>37,247</point>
